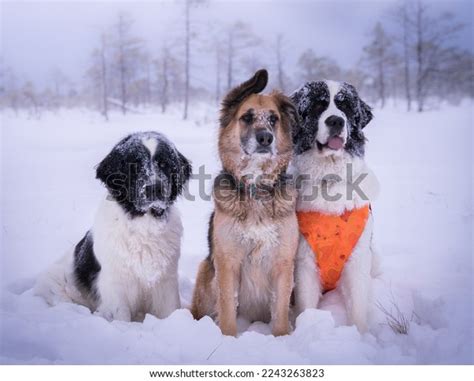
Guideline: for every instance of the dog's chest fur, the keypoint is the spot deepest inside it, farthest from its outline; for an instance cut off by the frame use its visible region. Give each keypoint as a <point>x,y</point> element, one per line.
<point>143,248</point>
<point>256,238</point>
<point>254,221</point>
<point>260,242</point>
<point>329,177</point>
<point>263,235</point>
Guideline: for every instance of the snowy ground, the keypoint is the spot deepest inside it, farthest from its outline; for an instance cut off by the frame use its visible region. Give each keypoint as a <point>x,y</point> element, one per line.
<point>423,222</point>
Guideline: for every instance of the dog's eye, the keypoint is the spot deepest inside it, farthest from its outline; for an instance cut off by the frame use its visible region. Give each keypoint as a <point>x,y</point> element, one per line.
<point>343,104</point>
<point>322,103</point>
<point>273,120</point>
<point>161,165</point>
<point>247,118</point>
<point>319,107</point>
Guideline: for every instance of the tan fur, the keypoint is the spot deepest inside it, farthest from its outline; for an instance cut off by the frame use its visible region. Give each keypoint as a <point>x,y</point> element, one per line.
<point>203,296</point>
<point>253,239</point>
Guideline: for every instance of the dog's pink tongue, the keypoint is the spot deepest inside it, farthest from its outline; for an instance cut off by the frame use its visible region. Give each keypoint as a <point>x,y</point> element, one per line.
<point>335,143</point>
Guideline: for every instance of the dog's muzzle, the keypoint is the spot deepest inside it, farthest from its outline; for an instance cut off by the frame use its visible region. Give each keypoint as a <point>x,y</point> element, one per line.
<point>335,125</point>
<point>264,140</point>
<point>155,191</point>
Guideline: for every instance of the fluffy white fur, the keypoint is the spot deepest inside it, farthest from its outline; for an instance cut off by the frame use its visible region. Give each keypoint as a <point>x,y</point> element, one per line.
<point>139,266</point>
<point>332,175</point>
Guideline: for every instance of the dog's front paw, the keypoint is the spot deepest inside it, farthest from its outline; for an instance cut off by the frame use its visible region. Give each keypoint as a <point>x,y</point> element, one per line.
<point>281,329</point>
<point>229,329</point>
<point>107,315</point>
<point>113,313</point>
<point>362,326</point>
<point>360,321</point>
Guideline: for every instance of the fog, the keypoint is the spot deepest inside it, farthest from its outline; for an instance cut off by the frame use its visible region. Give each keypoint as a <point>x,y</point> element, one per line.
<point>39,36</point>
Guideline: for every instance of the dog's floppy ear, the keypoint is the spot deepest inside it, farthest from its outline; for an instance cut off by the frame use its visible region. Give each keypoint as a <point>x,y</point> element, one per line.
<point>300,141</point>
<point>112,164</point>
<point>184,172</point>
<point>362,111</point>
<point>306,94</point>
<point>235,97</point>
<point>364,114</point>
<point>295,99</point>
<point>111,172</point>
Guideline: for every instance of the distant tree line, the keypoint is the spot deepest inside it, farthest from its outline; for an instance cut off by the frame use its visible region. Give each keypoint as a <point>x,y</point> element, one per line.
<point>420,61</point>
<point>411,56</point>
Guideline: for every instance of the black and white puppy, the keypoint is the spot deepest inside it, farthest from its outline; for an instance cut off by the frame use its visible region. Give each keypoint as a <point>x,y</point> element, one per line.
<point>126,265</point>
<point>329,151</point>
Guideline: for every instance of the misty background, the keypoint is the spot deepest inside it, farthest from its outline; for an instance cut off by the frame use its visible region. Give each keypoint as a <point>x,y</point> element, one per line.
<point>114,55</point>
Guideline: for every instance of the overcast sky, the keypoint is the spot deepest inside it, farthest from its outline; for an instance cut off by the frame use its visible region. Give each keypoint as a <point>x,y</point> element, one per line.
<point>39,36</point>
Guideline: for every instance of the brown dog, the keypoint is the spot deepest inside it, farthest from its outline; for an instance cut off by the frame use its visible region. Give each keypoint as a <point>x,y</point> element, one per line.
<point>253,232</point>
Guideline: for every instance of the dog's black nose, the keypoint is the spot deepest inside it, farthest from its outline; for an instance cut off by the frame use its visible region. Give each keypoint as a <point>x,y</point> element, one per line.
<point>264,138</point>
<point>335,124</point>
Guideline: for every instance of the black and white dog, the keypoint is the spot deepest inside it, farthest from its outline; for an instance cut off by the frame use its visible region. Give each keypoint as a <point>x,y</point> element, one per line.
<point>329,151</point>
<point>127,264</point>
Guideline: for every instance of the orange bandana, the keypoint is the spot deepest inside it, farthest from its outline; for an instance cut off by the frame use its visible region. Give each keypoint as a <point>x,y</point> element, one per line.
<point>332,238</point>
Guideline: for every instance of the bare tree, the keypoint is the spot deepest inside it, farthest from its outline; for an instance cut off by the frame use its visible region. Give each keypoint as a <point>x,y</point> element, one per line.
<point>313,68</point>
<point>430,64</point>
<point>30,96</point>
<point>188,37</point>
<point>147,68</point>
<point>122,27</point>
<point>457,79</point>
<point>219,66</point>
<point>139,92</point>
<point>230,57</point>
<point>379,58</point>
<point>239,36</point>
<point>11,92</point>
<point>406,55</point>
<point>99,76</point>
<point>169,73</point>
<point>433,35</point>
<point>3,70</point>
<point>103,75</point>
<point>163,71</point>
<point>402,14</point>
<point>279,62</point>
<point>187,58</point>
<point>59,85</point>
<point>127,50</point>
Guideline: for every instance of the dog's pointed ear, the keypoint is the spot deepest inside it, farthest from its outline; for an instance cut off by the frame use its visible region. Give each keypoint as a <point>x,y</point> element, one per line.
<point>252,86</point>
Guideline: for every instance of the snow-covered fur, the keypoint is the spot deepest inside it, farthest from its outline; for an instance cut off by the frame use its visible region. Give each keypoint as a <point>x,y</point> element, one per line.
<point>126,265</point>
<point>325,175</point>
